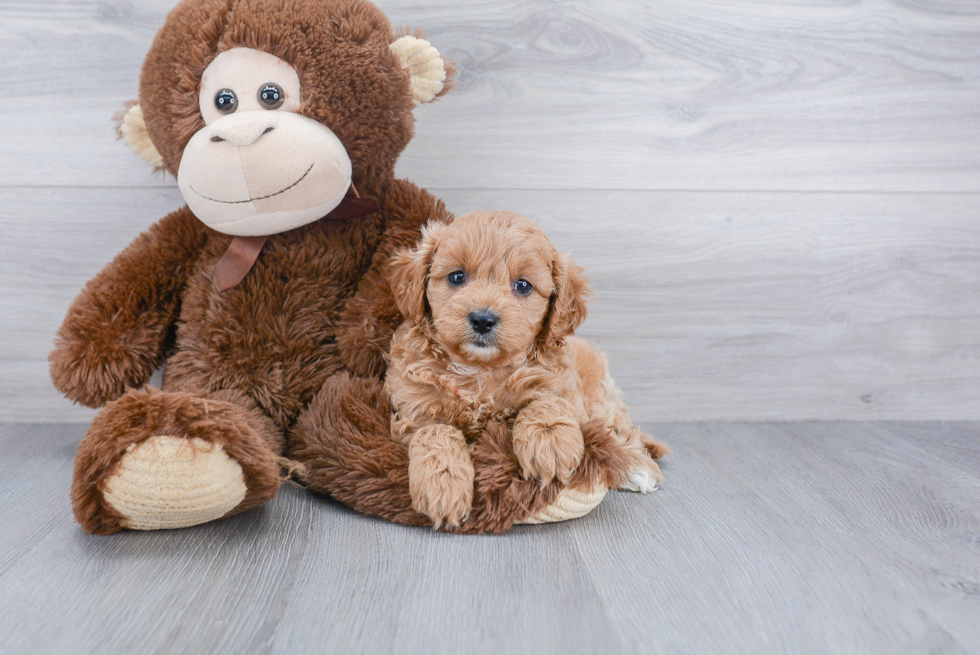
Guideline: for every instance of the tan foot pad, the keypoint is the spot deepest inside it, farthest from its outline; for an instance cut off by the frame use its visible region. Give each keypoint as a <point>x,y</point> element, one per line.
<point>168,482</point>
<point>570,504</point>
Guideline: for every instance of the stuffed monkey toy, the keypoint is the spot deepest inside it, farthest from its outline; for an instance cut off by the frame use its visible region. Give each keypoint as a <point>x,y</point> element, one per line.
<point>266,294</point>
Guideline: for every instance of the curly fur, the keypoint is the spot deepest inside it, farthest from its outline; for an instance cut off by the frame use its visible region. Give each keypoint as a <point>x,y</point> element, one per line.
<point>531,375</point>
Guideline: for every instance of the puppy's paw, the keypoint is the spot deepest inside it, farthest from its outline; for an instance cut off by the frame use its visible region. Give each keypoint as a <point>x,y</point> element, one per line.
<point>440,475</point>
<point>547,440</point>
<point>643,477</point>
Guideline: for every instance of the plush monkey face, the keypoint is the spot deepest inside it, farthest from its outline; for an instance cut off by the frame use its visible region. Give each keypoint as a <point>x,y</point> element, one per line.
<point>257,167</point>
<point>267,110</point>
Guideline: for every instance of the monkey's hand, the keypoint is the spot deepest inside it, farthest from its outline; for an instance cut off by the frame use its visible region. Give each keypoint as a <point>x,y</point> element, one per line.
<point>116,329</point>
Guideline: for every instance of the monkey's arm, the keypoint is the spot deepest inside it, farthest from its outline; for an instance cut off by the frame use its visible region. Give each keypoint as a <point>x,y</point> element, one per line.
<point>116,330</point>
<point>371,316</point>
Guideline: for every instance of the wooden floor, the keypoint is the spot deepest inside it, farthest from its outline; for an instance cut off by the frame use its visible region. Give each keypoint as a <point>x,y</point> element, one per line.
<point>766,538</point>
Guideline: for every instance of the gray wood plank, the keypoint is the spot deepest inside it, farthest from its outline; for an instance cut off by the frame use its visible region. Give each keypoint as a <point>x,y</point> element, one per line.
<point>766,538</point>
<point>725,306</point>
<point>300,575</point>
<point>855,524</point>
<point>679,94</point>
<point>959,448</point>
<point>27,395</point>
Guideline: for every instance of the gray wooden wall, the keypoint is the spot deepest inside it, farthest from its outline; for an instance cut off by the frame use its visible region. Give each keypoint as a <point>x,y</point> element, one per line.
<point>777,201</point>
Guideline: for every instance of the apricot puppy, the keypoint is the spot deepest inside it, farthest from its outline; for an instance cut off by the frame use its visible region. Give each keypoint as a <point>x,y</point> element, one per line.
<point>490,307</point>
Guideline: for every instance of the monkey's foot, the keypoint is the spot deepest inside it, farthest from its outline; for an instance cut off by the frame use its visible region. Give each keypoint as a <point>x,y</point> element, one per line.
<point>169,482</point>
<point>156,460</point>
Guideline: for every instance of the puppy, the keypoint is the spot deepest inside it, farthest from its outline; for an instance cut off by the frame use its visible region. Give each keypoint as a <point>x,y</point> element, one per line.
<point>490,306</point>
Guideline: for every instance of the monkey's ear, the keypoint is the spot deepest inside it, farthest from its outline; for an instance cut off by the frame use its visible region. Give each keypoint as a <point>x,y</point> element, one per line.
<point>408,273</point>
<point>431,75</point>
<point>132,127</point>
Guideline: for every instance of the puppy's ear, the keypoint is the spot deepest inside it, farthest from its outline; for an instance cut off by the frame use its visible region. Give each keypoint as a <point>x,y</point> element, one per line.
<point>408,273</point>
<point>567,310</point>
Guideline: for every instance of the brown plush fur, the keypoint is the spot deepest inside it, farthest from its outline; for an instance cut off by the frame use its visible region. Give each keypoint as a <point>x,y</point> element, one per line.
<point>227,418</point>
<point>274,340</point>
<point>271,367</point>
<point>345,441</point>
<point>351,82</point>
<point>447,381</point>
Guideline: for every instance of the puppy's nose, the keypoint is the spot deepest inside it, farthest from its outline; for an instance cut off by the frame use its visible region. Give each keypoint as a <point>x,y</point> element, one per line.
<point>483,321</point>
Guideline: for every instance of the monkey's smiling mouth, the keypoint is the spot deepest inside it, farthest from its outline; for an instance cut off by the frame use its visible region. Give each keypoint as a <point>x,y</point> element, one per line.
<point>240,202</point>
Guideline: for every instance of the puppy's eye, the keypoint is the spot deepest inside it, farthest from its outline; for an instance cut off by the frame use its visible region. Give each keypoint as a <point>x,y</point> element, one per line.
<point>456,278</point>
<point>226,101</point>
<point>522,287</point>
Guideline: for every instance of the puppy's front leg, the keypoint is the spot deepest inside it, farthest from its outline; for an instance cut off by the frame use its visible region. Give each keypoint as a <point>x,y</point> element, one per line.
<point>547,439</point>
<point>440,474</point>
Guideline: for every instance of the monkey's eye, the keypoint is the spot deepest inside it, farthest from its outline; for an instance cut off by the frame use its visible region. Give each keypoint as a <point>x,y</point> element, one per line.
<point>456,278</point>
<point>522,287</point>
<point>226,101</point>
<point>271,96</point>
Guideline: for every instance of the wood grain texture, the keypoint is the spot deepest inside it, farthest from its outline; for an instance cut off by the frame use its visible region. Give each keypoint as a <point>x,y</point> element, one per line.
<point>777,203</point>
<point>766,538</point>
<point>720,306</point>
<point>814,268</point>
<point>676,94</point>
